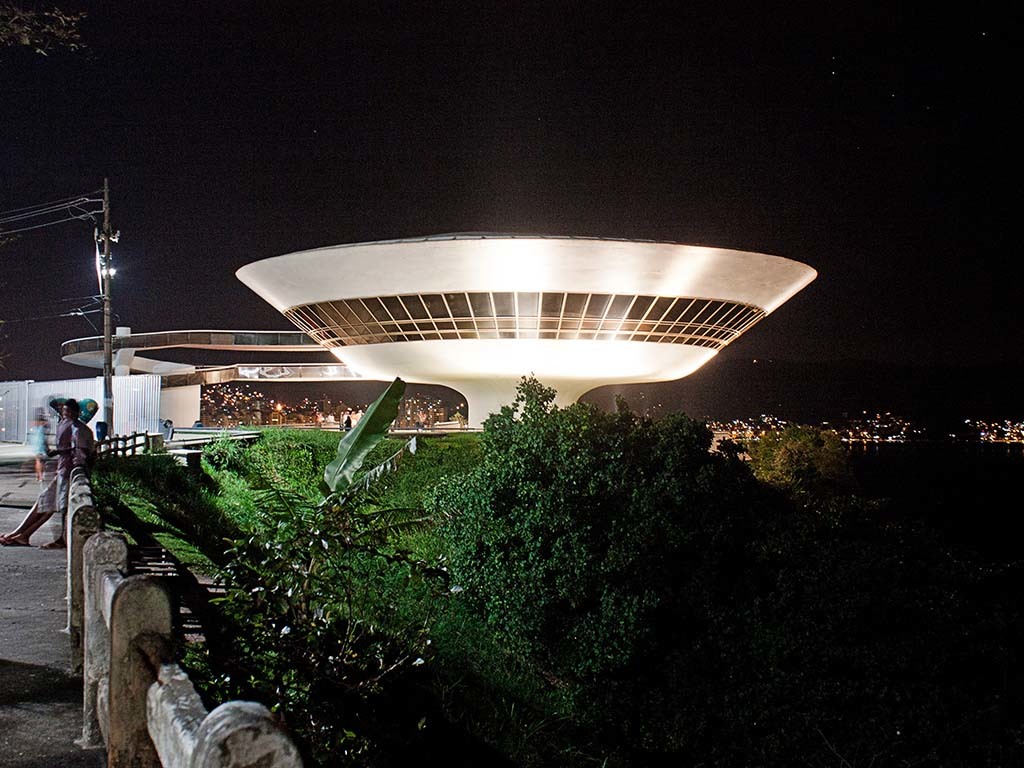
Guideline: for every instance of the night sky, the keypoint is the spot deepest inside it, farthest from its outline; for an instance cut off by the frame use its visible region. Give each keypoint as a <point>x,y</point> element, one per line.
<point>876,146</point>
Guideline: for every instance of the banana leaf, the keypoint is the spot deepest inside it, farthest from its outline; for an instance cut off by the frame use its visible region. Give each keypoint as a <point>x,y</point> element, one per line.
<point>357,443</point>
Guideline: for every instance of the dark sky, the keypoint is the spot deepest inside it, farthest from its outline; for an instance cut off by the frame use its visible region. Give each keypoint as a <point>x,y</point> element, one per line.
<point>875,145</point>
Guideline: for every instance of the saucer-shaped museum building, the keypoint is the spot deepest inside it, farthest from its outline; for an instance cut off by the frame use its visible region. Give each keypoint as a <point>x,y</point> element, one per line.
<point>478,312</point>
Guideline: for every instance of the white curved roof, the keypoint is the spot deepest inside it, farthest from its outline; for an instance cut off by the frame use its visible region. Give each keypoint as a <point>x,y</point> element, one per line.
<point>449,263</point>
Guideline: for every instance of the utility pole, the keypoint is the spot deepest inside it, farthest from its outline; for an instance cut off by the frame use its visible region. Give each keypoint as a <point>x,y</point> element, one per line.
<point>108,343</point>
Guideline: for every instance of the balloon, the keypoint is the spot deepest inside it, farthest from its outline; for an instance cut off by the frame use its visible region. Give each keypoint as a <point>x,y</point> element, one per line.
<point>89,409</point>
<point>88,406</point>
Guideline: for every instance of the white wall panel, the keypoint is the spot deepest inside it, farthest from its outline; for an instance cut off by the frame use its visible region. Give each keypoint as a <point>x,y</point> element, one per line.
<point>136,404</point>
<point>180,405</point>
<point>13,410</point>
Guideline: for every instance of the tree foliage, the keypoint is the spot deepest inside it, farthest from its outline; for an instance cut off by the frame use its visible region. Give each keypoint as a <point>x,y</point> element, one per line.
<point>589,542</point>
<point>307,589</point>
<point>690,615</point>
<point>659,604</point>
<point>804,460</point>
<point>42,30</point>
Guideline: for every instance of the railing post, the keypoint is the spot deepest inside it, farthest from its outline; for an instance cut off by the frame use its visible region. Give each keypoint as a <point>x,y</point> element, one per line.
<point>104,553</point>
<point>242,733</point>
<point>140,609</point>
<point>174,713</point>
<point>83,521</point>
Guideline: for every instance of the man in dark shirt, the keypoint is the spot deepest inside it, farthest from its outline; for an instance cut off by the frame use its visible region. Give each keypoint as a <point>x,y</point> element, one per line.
<point>75,448</point>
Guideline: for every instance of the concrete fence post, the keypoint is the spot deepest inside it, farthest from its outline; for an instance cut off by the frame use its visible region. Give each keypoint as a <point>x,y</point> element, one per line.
<point>174,712</point>
<point>140,609</point>
<point>103,553</point>
<point>83,521</point>
<point>243,733</point>
<point>141,704</point>
<point>235,735</point>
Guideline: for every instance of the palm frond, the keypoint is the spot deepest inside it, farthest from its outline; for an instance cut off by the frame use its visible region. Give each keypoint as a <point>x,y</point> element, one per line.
<point>280,501</point>
<point>371,429</point>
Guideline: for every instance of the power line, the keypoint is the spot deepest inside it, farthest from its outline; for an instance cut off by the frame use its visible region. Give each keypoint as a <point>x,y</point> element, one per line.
<point>22,215</point>
<point>73,208</point>
<point>94,298</point>
<point>71,313</point>
<point>73,205</point>
<point>86,217</point>
<point>91,305</point>
<point>53,203</point>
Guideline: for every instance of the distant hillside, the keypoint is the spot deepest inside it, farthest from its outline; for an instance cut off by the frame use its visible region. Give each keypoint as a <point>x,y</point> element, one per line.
<point>810,392</point>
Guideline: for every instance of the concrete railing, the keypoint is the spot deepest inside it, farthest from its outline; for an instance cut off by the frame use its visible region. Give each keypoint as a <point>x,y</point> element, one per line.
<point>82,522</point>
<point>139,703</point>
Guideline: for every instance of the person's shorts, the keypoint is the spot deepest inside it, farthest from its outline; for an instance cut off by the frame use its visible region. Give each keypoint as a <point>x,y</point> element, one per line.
<point>47,501</point>
<point>63,486</point>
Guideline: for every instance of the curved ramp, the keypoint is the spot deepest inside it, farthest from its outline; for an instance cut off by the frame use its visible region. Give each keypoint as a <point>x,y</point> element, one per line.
<point>88,352</point>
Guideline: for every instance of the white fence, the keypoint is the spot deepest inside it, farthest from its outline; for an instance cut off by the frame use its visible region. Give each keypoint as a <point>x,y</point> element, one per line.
<point>136,403</point>
<point>13,407</point>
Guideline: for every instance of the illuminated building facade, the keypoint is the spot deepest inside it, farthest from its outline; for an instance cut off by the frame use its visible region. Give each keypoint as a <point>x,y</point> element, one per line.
<point>478,312</point>
<point>418,412</point>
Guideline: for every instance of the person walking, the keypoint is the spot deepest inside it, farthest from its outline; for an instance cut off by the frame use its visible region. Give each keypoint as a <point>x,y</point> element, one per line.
<point>76,447</point>
<point>37,441</point>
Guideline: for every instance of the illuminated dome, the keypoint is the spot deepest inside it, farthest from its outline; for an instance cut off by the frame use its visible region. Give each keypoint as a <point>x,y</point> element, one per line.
<point>478,312</point>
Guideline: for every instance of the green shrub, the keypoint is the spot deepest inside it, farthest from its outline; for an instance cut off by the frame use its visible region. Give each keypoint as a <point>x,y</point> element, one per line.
<point>589,542</point>
<point>282,458</point>
<point>686,614</point>
<point>436,459</point>
<point>312,592</point>
<point>226,454</point>
<point>806,461</point>
<point>618,596</point>
<point>307,594</point>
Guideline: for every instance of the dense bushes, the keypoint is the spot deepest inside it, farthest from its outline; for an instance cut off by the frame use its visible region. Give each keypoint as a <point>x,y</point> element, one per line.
<point>327,603</point>
<point>307,592</point>
<point>687,614</point>
<point>285,459</point>
<point>591,543</point>
<point>619,595</point>
<point>805,461</point>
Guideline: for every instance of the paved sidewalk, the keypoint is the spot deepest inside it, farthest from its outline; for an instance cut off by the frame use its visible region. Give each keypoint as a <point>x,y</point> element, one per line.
<point>40,700</point>
<point>14,452</point>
